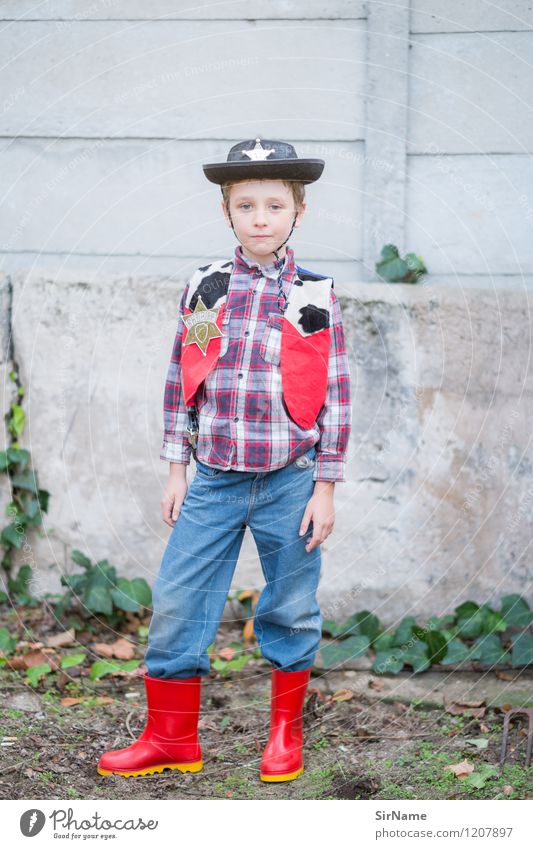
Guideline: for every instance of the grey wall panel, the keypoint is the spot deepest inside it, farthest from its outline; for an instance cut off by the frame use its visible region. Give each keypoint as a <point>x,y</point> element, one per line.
<point>140,197</point>
<point>171,79</point>
<point>472,214</point>
<point>461,16</point>
<point>180,9</point>
<point>471,93</point>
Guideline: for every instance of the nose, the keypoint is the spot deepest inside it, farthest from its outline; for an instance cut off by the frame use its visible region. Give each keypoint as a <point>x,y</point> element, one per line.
<point>260,218</point>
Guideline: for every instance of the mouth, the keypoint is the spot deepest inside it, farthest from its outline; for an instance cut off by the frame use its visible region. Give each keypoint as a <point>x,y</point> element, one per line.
<point>261,237</point>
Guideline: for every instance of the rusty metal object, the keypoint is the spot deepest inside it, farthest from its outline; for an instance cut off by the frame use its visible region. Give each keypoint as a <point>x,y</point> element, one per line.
<point>506,720</point>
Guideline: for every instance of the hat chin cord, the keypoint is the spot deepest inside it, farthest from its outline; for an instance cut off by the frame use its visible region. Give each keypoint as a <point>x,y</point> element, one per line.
<point>279,263</point>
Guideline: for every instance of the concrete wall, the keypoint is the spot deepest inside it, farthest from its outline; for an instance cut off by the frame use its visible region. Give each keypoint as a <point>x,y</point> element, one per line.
<point>438,503</point>
<point>422,111</point>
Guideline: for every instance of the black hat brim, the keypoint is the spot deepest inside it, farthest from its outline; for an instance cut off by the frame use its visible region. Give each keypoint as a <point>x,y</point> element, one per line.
<point>302,170</point>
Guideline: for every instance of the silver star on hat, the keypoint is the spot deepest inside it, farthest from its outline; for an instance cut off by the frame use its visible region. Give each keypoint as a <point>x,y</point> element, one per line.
<point>258,152</point>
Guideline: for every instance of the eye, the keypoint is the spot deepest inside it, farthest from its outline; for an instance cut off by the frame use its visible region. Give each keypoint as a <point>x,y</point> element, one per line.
<point>276,206</point>
<point>242,205</point>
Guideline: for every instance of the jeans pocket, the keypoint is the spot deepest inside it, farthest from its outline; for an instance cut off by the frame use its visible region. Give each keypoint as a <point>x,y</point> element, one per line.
<point>306,460</point>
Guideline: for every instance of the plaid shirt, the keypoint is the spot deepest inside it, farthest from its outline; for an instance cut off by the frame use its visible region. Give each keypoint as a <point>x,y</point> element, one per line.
<point>243,421</point>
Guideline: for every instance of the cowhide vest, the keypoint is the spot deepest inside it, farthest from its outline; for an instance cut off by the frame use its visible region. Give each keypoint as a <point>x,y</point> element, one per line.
<point>305,336</point>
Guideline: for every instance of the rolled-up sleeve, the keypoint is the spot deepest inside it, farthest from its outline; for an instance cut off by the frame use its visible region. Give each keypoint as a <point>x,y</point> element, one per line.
<point>335,417</point>
<point>176,447</point>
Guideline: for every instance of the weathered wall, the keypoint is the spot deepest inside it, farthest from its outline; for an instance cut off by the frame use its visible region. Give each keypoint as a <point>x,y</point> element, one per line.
<point>439,499</point>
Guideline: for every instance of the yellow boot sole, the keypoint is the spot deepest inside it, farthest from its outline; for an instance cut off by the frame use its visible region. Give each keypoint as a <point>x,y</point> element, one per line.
<point>286,776</point>
<point>151,770</point>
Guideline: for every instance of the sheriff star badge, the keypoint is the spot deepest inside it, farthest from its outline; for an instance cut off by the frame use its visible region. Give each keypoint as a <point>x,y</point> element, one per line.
<point>201,326</point>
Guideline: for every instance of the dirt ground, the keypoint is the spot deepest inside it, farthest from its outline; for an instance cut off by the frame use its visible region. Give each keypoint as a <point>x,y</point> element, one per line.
<point>356,746</point>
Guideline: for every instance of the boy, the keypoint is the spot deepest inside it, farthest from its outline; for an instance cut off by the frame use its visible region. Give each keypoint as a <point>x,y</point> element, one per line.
<point>258,389</point>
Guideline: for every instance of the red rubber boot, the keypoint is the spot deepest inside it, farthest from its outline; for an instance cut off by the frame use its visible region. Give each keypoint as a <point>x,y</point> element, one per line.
<point>283,757</point>
<point>170,737</point>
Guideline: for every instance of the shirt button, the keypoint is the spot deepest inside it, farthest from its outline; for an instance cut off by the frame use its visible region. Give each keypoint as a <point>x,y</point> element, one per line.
<point>235,418</point>
<point>240,374</point>
<point>246,332</point>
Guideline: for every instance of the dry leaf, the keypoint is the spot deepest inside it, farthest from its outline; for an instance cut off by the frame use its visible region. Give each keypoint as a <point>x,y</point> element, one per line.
<point>64,638</point>
<point>67,702</point>
<point>123,649</point>
<point>248,630</point>
<point>342,696</point>
<point>461,770</point>
<point>505,676</point>
<point>376,683</point>
<point>508,789</point>
<point>468,708</point>
<point>104,700</point>
<point>227,653</point>
<point>103,649</point>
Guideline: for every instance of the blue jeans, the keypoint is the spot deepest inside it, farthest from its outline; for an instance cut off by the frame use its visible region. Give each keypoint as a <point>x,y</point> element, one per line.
<point>194,580</point>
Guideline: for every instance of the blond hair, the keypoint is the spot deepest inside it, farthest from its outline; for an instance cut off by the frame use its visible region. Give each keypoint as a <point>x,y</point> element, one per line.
<point>297,188</point>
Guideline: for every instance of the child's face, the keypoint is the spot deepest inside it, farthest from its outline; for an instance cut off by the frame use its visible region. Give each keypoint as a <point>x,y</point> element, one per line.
<point>262,212</point>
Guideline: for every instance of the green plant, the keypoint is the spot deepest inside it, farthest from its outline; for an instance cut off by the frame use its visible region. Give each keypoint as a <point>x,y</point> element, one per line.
<point>473,632</point>
<point>98,590</point>
<point>28,502</point>
<point>393,269</point>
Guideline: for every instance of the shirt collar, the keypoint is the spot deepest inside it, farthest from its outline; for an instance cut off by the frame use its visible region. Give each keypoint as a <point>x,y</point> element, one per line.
<point>242,263</point>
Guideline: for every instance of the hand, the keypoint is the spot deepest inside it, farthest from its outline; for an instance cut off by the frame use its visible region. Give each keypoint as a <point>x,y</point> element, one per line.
<point>321,510</point>
<point>173,498</point>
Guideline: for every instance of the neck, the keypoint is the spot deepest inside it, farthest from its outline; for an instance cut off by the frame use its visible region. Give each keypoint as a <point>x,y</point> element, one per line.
<point>266,260</point>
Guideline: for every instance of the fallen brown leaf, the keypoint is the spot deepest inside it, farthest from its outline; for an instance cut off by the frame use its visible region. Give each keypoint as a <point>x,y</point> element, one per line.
<point>121,649</point>
<point>64,638</point>
<point>504,676</point>
<point>67,702</point>
<point>227,653</point>
<point>248,630</point>
<point>376,683</point>
<point>342,695</point>
<point>461,770</point>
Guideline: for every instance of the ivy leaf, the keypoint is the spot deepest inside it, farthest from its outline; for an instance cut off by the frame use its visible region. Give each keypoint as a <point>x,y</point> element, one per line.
<point>26,480</point>
<point>80,559</point>
<point>141,592</point>
<point>492,652</point>
<point>7,642</point>
<point>515,610</point>
<point>334,654</point>
<point>416,657</point>
<point>122,595</point>
<point>456,653</point>
<point>72,660</point>
<point>522,651</point>
<point>35,673</point>
<point>389,661</point>
<point>97,599</point>
<point>11,536</point>
<point>108,667</point>
<point>383,641</point>
<point>404,631</point>
<point>480,777</point>
<point>18,455</point>
<point>368,624</point>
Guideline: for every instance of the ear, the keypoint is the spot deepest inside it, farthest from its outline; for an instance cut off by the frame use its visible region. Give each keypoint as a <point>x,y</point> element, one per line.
<point>225,213</point>
<point>300,215</point>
